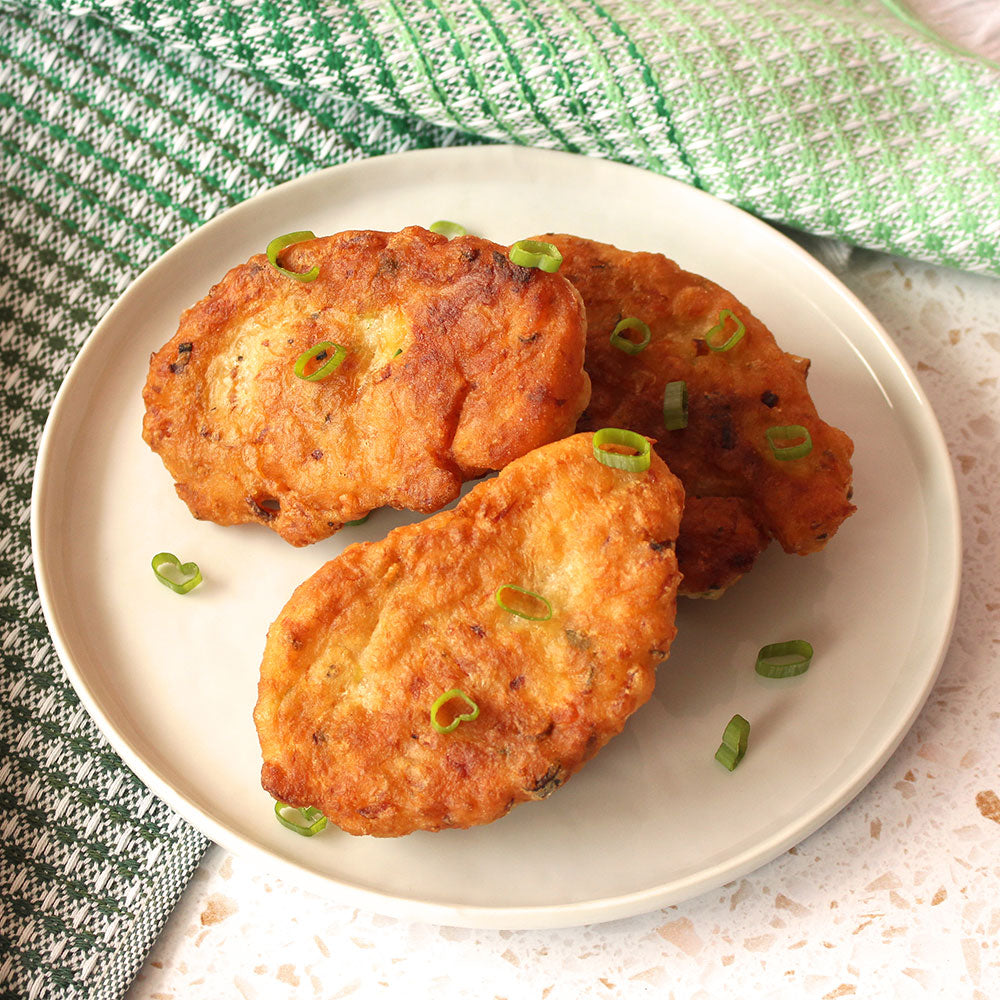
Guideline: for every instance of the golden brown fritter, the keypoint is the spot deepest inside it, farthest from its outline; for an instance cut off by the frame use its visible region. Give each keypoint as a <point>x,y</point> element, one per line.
<point>735,396</point>
<point>719,541</point>
<point>457,362</point>
<point>360,653</point>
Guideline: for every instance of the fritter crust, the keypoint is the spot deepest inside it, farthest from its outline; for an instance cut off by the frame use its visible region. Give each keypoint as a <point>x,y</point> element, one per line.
<point>458,362</point>
<point>734,397</point>
<point>359,654</point>
<point>719,541</point>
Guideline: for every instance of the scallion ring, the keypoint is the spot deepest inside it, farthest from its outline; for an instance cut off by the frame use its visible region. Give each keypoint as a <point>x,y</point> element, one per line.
<point>789,452</point>
<point>675,406</point>
<point>279,243</point>
<point>179,577</point>
<point>626,345</point>
<point>638,462</point>
<point>784,659</point>
<point>464,717</point>
<point>535,253</point>
<point>446,228</point>
<point>360,520</point>
<point>734,742</point>
<point>527,593</point>
<point>735,337</point>
<point>304,820</point>
<point>331,354</point>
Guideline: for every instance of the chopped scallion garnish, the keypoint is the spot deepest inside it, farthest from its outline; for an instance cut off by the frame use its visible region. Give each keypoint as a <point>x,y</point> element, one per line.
<point>279,243</point>
<point>734,742</point>
<point>446,228</point>
<point>304,820</point>
<point>784,659</point>
<point>675,406</point>
<point>639,462</point>
<point>528,593</point>
<point>171,572</point>
<point>360,520</point>
<point>535,253</point>
<point>624,343</point>
<point>791,433</point>
<point>464,717</point>
<point>331,354</point>
<point>720,328</point>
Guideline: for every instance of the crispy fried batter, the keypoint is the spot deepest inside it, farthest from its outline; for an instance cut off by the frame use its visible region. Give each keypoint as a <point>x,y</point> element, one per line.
<point>719,541</point>
<point>734,397</point>
<point>458,362</point>
<point>359,654</point>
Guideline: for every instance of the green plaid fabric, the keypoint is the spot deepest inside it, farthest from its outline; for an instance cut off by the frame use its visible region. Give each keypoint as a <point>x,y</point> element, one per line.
<point>112,150</point>
<point>125,124</point>
<point>832,116</point>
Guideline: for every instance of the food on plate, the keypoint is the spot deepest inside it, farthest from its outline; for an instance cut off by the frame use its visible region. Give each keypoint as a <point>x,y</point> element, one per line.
<point>755,458</point>
<point>719,541</point>
<point>734,743</point>
<point>790,658</point>
<point>475,660</point>
<point>362,370</point>
<point>180,577</point>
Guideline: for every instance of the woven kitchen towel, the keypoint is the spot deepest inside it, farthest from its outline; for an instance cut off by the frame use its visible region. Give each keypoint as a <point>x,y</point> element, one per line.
<point>112,150</point>
<point>838,117</point>
<point>124,125</point>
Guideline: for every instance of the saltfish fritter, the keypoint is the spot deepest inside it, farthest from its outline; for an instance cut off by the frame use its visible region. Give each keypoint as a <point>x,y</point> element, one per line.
<point>457,362</point>
<point>359,655</point>
<point>739,493</point>
<point>719,541</point>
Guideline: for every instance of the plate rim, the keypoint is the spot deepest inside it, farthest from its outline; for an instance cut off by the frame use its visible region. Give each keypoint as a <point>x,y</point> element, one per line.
<point>517,916</point>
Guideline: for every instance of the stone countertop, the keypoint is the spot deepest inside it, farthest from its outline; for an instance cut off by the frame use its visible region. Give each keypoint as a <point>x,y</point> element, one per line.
<point>895,897</point>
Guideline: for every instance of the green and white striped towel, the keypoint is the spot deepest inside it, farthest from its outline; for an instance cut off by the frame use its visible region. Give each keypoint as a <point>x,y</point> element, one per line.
<point>124,124</point>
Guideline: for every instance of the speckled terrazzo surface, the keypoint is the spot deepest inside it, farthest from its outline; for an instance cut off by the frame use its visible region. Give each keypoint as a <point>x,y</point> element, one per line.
<point>896,897</point>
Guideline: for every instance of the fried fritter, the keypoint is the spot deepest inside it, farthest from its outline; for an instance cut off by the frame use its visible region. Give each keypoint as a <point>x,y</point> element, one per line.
<point>458,361</point>
<point>735,396</point>
<point>719,541</point>
<point>363,649</point>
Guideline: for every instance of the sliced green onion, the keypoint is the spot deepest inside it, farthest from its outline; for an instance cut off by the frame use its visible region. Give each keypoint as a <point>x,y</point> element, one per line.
<point>446,228</point>
<point>675,406</point>
<point>734,742</point>
<point>360,520</point>
<point>784,659</point>
<point>615,435</point>
<point>626,345</point>
<point>786,453</point>
<point>527,593</point>
<point>720,327</point>
<point>279,243</point>
<point>333,353</point>
<point>464,717</point>
<point>399,350</point>
<point>180,577</point>
<point>304,820</point>
<point>535,253</point>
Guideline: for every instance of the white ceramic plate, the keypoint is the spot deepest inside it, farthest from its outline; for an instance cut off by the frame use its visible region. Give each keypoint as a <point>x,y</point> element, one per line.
<point>653,819</point>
